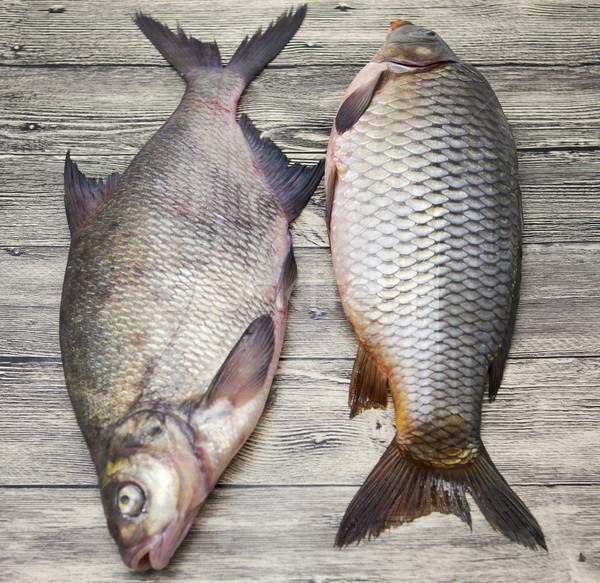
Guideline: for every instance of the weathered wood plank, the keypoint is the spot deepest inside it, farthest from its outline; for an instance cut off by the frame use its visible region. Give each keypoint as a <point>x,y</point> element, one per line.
<point>560,194</point>
<point>78,74</point>
<point>503,31</point>
<point>306,437</point>
<point>110,110</point>
<point>559,312</point>
<point>58,535</point>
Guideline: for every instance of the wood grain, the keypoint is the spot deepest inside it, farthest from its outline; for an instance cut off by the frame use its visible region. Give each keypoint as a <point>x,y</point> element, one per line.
<point>78,75</point>
<point>560,194</point>
<point>559,312</point>
<point>292,541</point>
<point>87,33</point>
<point>308,424</point>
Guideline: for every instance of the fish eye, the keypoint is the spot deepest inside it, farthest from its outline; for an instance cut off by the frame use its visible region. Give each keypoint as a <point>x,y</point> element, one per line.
<point>431,33</point>
<point>130,500</point>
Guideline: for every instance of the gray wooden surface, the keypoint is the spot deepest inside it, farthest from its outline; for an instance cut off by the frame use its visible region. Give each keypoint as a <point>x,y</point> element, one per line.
<point>79,75</point>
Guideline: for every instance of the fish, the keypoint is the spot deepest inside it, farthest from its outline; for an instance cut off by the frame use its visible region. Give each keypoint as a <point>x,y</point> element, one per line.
<point>424,216</point>
<point>175,294</point>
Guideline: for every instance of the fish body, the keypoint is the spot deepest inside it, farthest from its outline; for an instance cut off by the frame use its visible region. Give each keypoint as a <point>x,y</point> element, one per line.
<point>175,295</point>
<point>424,217</point>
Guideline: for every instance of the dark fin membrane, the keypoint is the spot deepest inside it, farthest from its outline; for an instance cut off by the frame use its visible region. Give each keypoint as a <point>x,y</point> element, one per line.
<point>330,181</point>
<point>399,489</point>
<point>293,184</point>
<point>368,386</point>
<point>496,369</point>
<point>288,276</point>
<point>253,55</point>
<point>502,508</point>
<point>244,371</point>
<point>82,195</point>
<point>356,103</point>
<point>186,54</point>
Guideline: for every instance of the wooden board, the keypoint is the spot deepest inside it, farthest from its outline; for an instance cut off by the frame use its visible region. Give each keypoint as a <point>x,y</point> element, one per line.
<point>78,75</point>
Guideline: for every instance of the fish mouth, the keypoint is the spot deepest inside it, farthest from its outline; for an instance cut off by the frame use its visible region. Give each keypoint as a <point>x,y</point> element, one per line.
<point>418,64</point>
<point>155,550</point>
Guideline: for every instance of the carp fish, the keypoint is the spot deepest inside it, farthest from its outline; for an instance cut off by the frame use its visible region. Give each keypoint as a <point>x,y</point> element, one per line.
<point>425,221</point>
<point>175,294</point>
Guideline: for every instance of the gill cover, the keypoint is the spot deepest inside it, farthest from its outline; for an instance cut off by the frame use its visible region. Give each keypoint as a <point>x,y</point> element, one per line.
<point>406,47</point>
<point>152,486</point>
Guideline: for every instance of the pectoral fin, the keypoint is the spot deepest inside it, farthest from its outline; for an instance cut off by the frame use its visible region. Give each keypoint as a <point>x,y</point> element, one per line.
<point>244,372</point>
<point>357,102</point>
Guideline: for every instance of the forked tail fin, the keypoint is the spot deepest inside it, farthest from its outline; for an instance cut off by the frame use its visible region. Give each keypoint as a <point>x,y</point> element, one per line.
<point>400,489</point>
<point>189,55</point>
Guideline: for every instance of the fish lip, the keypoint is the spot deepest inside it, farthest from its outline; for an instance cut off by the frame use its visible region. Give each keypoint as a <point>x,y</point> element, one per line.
<point>419,65</point>
<point>156,550</point>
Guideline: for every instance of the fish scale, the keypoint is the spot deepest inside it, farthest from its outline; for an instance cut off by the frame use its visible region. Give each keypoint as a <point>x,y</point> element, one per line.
<point>425,231</point>
<point>434,232</point>
<point>175,294</point>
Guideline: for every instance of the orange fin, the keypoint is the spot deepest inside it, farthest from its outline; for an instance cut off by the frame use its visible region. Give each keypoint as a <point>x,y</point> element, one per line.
<point>399,489</point>
<point>368,386</point>
<point>83,195</point>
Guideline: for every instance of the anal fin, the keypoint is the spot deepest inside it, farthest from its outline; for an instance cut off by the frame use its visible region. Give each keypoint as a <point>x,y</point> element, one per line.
<point>293,184</point>
<point>368,386</point>
<point>83,195</point>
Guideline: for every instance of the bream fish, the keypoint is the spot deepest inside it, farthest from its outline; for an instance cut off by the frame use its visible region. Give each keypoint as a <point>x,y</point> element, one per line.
<point>175,294</point>
<point>424,218</point>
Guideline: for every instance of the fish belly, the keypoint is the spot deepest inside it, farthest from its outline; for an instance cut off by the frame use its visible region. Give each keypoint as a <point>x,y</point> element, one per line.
<point>425,238</point>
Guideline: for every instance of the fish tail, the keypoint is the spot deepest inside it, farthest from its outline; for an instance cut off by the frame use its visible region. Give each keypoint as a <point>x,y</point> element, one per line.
<point>185,53</point>
<point>253,54</point>
<point>400,489</point>
<point>189,55</point>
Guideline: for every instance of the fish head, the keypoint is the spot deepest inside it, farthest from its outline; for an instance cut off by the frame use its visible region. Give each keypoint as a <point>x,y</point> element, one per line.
<point>413,46</point>
<point>152,486</point>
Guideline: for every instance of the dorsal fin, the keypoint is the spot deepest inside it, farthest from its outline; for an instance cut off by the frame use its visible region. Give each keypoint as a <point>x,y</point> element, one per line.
<point>82,196</point>
<point>496,369</point>
<point>293,184</point>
